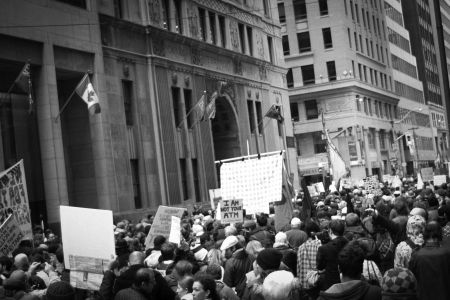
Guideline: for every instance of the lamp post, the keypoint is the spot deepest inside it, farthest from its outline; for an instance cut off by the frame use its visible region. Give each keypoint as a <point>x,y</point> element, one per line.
<point>416,154</point>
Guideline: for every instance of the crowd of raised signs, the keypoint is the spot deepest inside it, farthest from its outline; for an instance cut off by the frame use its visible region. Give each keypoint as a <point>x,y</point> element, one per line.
<point>391,243</point>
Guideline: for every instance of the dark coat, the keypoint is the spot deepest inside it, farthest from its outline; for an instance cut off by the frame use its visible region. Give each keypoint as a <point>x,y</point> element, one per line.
<point>351,290</point>
<point>235,269</point>
<point>327,259</point>
<point>263,236</point>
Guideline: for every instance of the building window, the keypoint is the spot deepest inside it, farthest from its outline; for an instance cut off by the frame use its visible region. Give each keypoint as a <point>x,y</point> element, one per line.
<point>241,37</point>
<point>327,40</point>
<point>223,35</point>
<point>118,9</point>
<point>323,7</point>
<point>290,78</point>
<point>179,17</point>
<point>331,68</point>
<point>177,113</point>
<point>201,16</point>
<point>358,103</point>
<point>371,138</point>
<point>363,16</point>
<point>250,40</point>
<point>188,106</point>
<point>349,38</point>
<point>266,8</point>
<point>281,13</point>
<point>352,10</point>
<point>212,27</point>
<point>357,13</point>
<point>285,42</point>
<point>312,111</point>
<point>304,43</point>
<point>196,180</point>
<point>294,112</point>
<point>320,145</point>
<point>308,74</point>
<point>369,104</point>
<point>165,15</point>
<point>251,115</point>
<point>259,117</point>
<point>356,41</point>
<point>184,185</point>
<point>270,44</point>
<point>127,90</point>
<point>299,9</point>
<point>77,3</point>
<point>345,7</point>
<point>361,44</point>
<point>135,181</point>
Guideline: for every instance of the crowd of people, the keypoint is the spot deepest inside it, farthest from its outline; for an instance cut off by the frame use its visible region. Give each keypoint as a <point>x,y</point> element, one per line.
<point>392,244</point>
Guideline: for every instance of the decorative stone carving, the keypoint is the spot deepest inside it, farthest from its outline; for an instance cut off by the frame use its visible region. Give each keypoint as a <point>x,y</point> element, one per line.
<point>234,35</point>
<point>192,13</point>
<point>158,47</point>
<point>126,70</point>
<point>154,12</point>
<point>196,58</point>
<point>263,72</point>
<point>174,78</point>
<point>249,94</point>
<point>260,45</point>
<point>257,95</point>
<point>237,66</point>
<point>187,81</point>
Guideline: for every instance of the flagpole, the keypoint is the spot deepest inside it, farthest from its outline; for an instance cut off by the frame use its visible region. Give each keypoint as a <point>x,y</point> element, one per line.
<point>190,110</point>
<point>68,99</point>
<point>15,80</point>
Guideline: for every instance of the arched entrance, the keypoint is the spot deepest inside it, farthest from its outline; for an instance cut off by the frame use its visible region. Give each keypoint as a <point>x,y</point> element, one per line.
<point>225,130</point>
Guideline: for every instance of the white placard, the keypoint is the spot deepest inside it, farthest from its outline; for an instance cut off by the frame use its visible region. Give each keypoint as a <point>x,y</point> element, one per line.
<point>10,236</point>
<point>257,181</point>
<point>439,179</point>
<point>162,223</point>
<point>175,231</point>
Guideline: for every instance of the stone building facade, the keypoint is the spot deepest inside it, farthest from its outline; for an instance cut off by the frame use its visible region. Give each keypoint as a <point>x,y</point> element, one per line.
<point>150,62</point>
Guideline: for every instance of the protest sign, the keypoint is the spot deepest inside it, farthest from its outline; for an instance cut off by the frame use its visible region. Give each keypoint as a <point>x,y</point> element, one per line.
<point>427,174</point>
<point>231,211</point>
<point>319,187</point>
<point>439,179</point>
<point>215,195</point>
<point>10,236</point>
<point>312,190</point>
<point>387,178</point>
<point>346,183</point>
<point>175,231</point>
<point>257,181</point>
<point>14,198</point>
<point>162,223</point>
<point>371,184</point>
<point>88,244</point>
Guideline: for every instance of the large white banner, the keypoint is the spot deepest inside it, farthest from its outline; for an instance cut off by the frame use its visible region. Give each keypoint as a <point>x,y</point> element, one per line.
<point>14,198</point>
<point>256,181</point>
<point>88,244</point>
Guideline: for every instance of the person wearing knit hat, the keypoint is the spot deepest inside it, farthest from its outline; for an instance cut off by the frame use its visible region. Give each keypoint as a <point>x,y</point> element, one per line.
<point>414,232</point>
<point>60,290</point>
<point>269,259</point>
<point>398,283</point>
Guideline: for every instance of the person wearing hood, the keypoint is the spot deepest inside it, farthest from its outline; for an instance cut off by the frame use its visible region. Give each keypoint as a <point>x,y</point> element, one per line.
<point>327,255</point>
<point>351,287</point>
<point>261,233</point>
<point>414,232</point>
<point>224,291</point>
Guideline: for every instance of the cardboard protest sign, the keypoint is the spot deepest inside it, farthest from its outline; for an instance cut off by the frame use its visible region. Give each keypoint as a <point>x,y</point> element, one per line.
<point>320,187</point>
<point>257,181</point>
<point>371,184</point>
<point>387,178</point>
<point>312,190</point>
<point>231,211</point>
<point>427,174</point>
<point>162,223</point>
<point>10,236</point>
<point>215,195</point>
<point>175,231</point>
<point>14,198</point>
<point>88,244</point>
<point>439,179</point>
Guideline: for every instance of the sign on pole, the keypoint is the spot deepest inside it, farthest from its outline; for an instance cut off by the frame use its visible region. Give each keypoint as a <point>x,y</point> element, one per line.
<point>162,223</point>
<point>14,198</point>
<point>231,211</point>
<point>10,236</point>
<point>88,244</point>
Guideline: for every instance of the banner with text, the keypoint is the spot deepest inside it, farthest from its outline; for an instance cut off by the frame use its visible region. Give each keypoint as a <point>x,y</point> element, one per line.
<point>439,179</point>
<point>10,236</point>
<point>14,198</point>
<point>88,244</point>
<point>257,181</point>
<point>231,211</point>
<point>162,223</point>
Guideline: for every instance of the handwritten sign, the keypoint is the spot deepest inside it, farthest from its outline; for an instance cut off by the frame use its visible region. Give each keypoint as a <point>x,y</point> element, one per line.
<point>439,179</point>
<point>231,211</point>
<point>162,223</point>
<point>10,236</point>
<point>175,231</point>
<point>427,174</point>
<point>14,198</point>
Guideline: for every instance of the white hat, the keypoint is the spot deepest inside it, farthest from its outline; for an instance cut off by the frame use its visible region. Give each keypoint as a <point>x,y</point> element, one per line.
<point>201,254</point>
<point>196,228</point>
<point>295,222</point>
<point>229,242</point>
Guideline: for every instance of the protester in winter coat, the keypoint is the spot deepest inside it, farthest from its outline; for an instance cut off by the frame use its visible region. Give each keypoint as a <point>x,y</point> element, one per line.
<point>289,260</point>
<point>327,255</point>
<point>350,262</point>
<point>399,284</point>
<point>142,287</point>
<point>414,231</point>
<point>224,291</point>
<point>261,233</point>
<point>296,236</point>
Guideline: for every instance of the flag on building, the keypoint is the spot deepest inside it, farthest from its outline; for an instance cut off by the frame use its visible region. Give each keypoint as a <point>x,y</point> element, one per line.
<point>199,108</point>
<point>274,113</point>
<point>86,92</point>
<point>23,82</point>
<point>210,110</point>
<point>337,163</point>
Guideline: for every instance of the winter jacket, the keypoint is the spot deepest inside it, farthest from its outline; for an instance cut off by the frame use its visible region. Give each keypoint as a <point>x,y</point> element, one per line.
<point>262,235</point>
<point>225,292</point>
<point>296,237</point>
<point>351,290</point>
<point>235,269</point>
<point>327,259</point>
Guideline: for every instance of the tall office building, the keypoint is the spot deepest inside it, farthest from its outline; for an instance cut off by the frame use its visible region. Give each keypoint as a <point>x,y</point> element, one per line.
<point>150,63</point>
<point>338,60</point>
<point>422,23</point>
<point>414,115</point>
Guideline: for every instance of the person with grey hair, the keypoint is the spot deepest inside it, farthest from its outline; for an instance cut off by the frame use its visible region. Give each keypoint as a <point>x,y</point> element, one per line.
<point>280,285</point>
<point>296,236</point>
